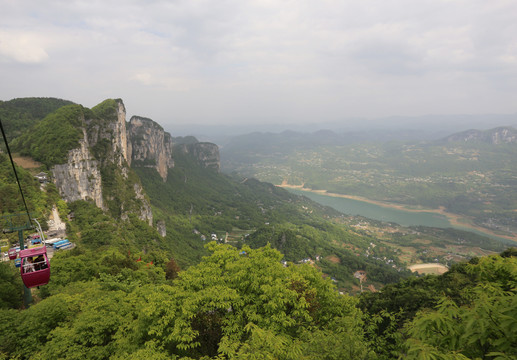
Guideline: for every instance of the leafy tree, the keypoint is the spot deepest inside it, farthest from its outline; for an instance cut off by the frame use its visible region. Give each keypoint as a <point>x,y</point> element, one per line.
<point>26,332</point>
<point>172,270</point>
<point>91,333</point>
<point>484,328</point>
<point>11,285</point>
<point>245,304</point>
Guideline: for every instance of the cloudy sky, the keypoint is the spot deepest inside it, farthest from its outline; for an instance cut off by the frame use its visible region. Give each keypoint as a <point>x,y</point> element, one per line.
<point>271,61</point>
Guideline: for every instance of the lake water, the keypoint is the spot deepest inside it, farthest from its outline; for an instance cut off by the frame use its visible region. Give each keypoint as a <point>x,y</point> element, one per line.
<point>386,214</point>
<point>376,212</point>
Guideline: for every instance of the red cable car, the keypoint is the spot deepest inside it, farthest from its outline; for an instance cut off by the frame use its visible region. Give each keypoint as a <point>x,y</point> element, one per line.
<point>12,254</point>
<point>35,269</point>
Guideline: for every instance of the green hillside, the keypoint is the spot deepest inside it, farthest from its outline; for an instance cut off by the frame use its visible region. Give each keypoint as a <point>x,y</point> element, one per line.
<point>201,202</point>
<point>20,114</point>
<point>49,140</point>
<point>244,304</point>
<point>38,202</point>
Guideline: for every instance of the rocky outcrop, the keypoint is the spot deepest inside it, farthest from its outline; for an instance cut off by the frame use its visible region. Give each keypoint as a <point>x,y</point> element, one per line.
<point>149,145</point>
<point>146,212</point>
<point>504,135</point>
<point>120,134</point>
<point>111,131</point>
<point>161,228</point>
<point>79,178</point>
<point>99,169</point>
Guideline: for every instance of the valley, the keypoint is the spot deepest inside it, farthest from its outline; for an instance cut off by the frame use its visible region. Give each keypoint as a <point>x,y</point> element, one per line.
<point>470,178</point>
<point>175,259</point>
<point>453,220</point>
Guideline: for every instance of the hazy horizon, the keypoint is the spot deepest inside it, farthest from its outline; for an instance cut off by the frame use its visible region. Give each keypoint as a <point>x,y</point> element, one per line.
<point>431,126</point>
<point>259,61</point>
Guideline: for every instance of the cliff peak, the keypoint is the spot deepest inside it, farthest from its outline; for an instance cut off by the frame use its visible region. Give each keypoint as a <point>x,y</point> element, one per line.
<point>97,168</point>
<point>149,145</point>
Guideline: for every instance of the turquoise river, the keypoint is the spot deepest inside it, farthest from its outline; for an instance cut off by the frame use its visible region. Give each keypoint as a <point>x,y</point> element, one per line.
<point>386,214</point>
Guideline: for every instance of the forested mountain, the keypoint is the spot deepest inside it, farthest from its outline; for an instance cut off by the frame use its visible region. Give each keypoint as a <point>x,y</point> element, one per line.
<point>175,260</point>
<point>20,114</point>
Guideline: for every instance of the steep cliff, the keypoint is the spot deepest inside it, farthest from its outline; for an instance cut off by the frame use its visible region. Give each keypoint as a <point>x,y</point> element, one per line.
<point>149,145</point>
<point>79,178</point>
<point>98,169</point>
<point>91,152</point>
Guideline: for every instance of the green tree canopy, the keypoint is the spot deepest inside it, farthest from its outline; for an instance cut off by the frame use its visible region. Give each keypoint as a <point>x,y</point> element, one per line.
<point>485,328</point>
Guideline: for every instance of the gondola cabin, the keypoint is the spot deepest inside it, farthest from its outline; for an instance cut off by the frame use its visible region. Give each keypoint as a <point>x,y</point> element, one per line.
<point>35,268</point>
<point>12,254</point>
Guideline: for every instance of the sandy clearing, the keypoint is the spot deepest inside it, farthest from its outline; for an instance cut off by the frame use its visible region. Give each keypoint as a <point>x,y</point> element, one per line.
<point>429,268</point>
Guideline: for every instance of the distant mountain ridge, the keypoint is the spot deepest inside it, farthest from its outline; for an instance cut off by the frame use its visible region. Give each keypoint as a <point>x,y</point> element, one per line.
<point>471,172</point>
<point>244,148</point>
<point>494,136</point>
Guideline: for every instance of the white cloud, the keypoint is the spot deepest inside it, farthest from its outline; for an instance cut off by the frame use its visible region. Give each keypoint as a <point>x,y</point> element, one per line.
<point>21,46</point>
<point>278,59</point>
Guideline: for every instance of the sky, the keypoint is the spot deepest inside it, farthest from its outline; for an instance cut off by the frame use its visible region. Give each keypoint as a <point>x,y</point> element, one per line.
<point>262,61</point>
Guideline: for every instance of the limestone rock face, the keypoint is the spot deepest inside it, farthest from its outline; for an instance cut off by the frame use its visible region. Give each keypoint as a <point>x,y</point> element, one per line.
<point>504,135</point>
<point>111,131</point>
<point>120,135</point>
<point>99,170</point>
<point>162,229</point>
<point>206,153</point>
<point>80,177</point>
<point>146,212</point>
<point>149,145</point>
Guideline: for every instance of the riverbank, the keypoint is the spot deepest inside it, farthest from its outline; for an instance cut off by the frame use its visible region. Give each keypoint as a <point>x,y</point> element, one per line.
<point>454,219</point>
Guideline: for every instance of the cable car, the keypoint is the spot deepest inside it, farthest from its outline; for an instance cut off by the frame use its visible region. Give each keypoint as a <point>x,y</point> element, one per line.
<point>12,254</point>
<point>35,268</point>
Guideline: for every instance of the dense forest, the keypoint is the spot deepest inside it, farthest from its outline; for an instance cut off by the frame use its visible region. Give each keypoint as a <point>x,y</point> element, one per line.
<point>276,282</point>
<point>244,304</point>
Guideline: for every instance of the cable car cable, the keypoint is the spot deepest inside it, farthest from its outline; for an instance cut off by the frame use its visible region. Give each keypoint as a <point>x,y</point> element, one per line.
<point>14,169</point>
